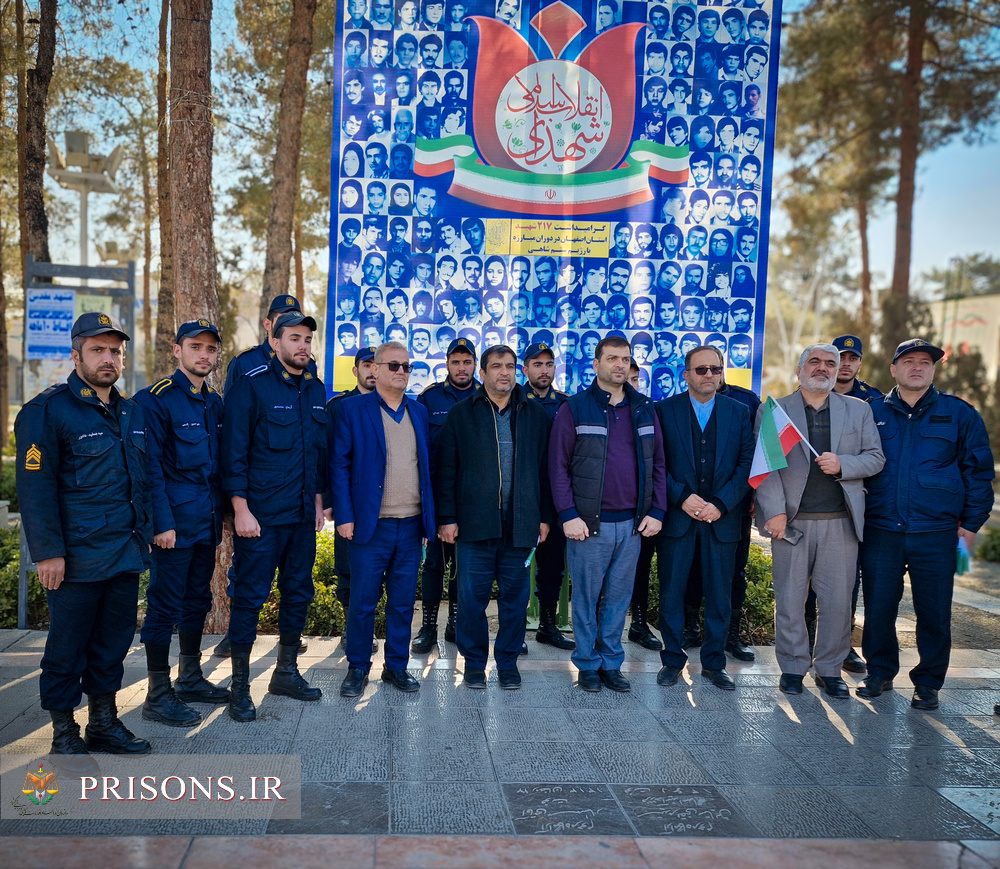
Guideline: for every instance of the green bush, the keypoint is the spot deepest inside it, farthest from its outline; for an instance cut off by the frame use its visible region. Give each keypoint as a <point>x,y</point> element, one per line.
<point>326,615</point>
<point>759,607</point>
<point>8,489</point>
<point>988,548</point>
<point>10,562</point>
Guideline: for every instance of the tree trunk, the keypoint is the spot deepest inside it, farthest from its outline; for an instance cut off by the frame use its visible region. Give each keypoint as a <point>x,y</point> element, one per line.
<point>21,61</point>
<point>300,276</point>
<point>4,391</point>
<point>147,251</point>
<point>285,189</point>
<point>866,274</point>
<point>166,328</point>
<point>36,98</point>
<point>909,147</point>
<point>196,291</point>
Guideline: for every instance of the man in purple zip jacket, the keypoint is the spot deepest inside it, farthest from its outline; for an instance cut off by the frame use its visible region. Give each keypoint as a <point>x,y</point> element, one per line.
<point>608,425</point>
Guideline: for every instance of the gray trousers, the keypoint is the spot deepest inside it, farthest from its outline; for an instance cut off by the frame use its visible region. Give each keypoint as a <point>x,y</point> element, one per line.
<point>826,558</point>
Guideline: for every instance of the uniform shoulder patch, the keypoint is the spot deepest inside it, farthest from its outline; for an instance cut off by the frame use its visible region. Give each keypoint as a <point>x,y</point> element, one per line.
<point>260,369</point>
<point>161,385</point>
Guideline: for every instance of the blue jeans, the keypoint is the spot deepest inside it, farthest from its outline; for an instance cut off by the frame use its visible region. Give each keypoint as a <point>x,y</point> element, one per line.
<point>603,571</point>
<point>394,551</point>
<point>180,592</point>
<point>479,563</point>
<point>930,559</point>
<point>90,630</point>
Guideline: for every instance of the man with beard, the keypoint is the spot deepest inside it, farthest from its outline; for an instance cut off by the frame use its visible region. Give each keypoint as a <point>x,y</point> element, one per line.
<point>495,443</point>
<point>81,480</point>
<point>183,422</point>
<point>274,472</point>
<point>439,398</point>
<point>550,557</point>
<point>824,496</point>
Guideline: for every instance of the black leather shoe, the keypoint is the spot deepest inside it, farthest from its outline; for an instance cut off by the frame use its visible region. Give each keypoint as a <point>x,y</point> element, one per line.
<point>614,680</point>
<point>854,663</point>
<point>925,698</point>
<point>354,682</point>
<point>588,680</point>
<point>510,680</point>
<point>873,686</point>
<point>286,679</point>
<point>401,679</point>
<point>474,678</point>
<point>547,633</point>
<point>834,686</point>
<point>996,709</point>
<point>163,705</point>
<point>668,676</point>
<point>789,683</point>
<point>524,649</point>
<point>720,679</point>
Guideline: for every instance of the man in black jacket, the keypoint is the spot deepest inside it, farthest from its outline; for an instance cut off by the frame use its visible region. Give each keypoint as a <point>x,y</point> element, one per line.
<point>493,502</point>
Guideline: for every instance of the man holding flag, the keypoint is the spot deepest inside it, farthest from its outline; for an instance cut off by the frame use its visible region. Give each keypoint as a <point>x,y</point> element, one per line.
<point>811,502</point>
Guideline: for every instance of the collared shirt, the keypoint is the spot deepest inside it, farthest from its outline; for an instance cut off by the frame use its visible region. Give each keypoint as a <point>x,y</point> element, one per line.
<point>702,410</point>
<point>397,414</point>
<point>822,493</point>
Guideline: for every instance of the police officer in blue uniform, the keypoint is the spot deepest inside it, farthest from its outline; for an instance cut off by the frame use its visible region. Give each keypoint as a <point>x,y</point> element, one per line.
<point>250,360</point>
<point>364,373</point>
<point>274,472</point>
<point>538,365</point>
<point>934,491</point>
<point>439,398</point>
<point>183,424</point>
<point>81,482</point>
<point>848,383</point>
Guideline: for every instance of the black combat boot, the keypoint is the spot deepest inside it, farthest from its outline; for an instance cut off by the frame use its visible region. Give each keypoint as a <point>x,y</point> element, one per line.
<point>287,680</point>
<point>224,649</point>
<point>105,732</point>
<point>734,644</point>
<point>163,705</point>
<point>241,707</point>
<point>639,632</point>
<point>69,745</point>
<point>547,632</point>
<point>449,629</point>
<point>191,686</point>
<point>692,627</point>
<point>427,636</point>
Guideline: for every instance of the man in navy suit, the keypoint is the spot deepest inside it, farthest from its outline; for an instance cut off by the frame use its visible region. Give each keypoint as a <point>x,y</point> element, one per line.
<point>382,503</point>
<point>708,439</point>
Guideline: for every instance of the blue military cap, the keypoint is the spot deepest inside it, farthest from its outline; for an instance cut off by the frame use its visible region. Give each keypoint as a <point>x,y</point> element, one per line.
<point>196,327</point>
<point>918,345</point>
<point>95,323</point>
<point>848,344</point>
<point>294,318</point>
<point>283,304</point>
<point>464,345</point>
<point>537,349</point>
<point>365,354</point>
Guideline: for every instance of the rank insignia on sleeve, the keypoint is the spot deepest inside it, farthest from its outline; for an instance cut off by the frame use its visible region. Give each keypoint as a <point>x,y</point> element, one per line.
<point>33,459</point>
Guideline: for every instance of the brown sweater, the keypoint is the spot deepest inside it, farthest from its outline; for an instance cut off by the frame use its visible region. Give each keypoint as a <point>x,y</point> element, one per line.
<point>401,493</point>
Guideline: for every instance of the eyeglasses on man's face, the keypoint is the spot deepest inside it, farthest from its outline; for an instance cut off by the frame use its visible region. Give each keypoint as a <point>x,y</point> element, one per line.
<point>406,366</point>
<point>701,370</point>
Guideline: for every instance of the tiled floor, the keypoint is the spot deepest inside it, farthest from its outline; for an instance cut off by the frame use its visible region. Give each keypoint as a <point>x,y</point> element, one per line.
<point>615,779</point>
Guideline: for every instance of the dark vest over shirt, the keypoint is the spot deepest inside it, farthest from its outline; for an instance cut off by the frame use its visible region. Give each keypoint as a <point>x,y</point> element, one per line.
<point>704,453</point>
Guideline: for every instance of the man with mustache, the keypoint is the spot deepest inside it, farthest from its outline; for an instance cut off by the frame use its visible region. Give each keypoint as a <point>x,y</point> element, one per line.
<point>493,503</point>
<point>814,512</point>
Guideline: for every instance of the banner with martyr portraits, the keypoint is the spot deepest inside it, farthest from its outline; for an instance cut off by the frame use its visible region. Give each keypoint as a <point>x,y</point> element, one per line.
<point>529,171</point>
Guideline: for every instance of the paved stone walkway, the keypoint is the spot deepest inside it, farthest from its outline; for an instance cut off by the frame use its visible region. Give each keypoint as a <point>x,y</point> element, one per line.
<point>589,775</point>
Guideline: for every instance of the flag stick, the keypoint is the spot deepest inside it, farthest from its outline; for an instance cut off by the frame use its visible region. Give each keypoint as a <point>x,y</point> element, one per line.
<point>805,440</point>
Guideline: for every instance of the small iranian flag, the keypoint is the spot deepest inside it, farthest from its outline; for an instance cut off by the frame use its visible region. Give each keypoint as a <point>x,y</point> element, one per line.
<point>775,440</point>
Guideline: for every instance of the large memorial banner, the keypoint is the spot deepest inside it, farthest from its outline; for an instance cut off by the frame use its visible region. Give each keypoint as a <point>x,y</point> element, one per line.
<point>553,172</point>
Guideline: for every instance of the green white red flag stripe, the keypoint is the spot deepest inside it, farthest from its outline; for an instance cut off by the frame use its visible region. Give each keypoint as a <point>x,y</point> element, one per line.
<point>775,440</point>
